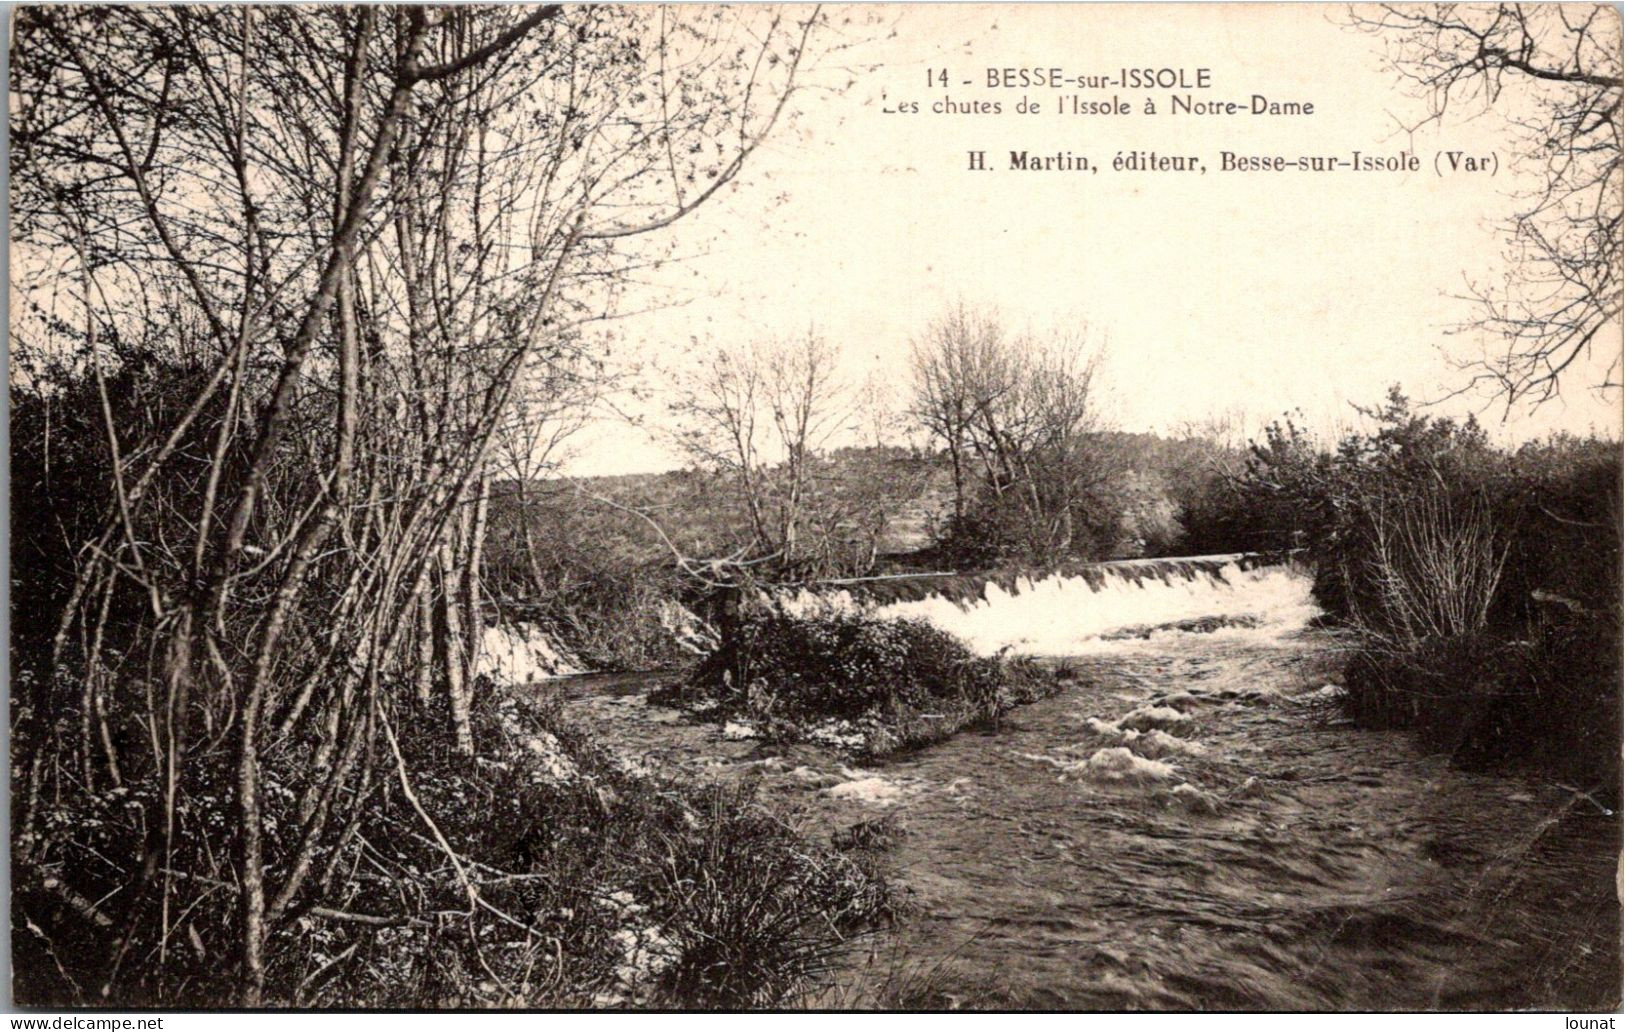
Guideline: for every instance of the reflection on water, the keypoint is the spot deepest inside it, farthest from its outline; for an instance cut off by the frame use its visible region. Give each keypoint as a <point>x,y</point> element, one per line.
<point>1232,844</point>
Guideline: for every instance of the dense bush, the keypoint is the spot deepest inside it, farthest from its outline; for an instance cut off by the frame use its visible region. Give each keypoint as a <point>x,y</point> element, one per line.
<point>1482,586</point>
<point>1273,501</point>
<point>875,686</point>
<point>1492,701</point>
<point>596,560</point>
<point>61,476</point>
<point>1000,529</point>
<point>602,888</point>
<point>594,576</point>
<point>1144,495</point>
<point>844,663</point>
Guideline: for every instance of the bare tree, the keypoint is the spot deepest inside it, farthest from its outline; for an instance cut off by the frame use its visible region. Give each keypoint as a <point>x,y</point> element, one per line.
<point>534,441</point>
<point>1018,413</point>
<point>953,364</point>
<point>364,234</point>
<point>1553,73</point>
<point>761,414</point>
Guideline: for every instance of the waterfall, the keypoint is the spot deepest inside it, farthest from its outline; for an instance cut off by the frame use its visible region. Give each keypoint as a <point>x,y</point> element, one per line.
<point>522,652</point>
<point>1088,608</point>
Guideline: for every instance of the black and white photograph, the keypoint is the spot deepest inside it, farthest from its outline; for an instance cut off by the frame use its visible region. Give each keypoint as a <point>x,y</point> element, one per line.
<point>1083,507</point>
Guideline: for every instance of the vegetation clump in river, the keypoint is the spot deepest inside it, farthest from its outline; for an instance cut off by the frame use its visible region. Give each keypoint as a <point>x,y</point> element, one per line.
<point>873,685</point>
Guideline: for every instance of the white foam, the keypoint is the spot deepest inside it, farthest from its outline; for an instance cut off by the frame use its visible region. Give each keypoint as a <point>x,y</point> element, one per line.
<point>1146,718</point>
<point>1325,693</point>
<point>1120,764</point>
<point>1155,744</point>
<point>873,790</point>
<point>1193,799</point>
<point>1101,727</point>
<point>1070,615</point>
<point>520,654</point>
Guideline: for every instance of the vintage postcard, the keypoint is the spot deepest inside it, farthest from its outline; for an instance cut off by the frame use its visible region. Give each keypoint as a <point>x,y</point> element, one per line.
<point>897,507</point>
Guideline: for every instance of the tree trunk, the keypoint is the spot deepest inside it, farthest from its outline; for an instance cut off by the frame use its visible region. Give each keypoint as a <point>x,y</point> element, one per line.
<point>423,676</point>
<point>452,642</point>
<point>473,557</point>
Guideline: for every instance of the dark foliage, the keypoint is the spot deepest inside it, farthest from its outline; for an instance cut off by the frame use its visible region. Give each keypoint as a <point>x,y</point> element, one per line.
<point>61,475</point>
<point>998,529</point>
<point>843,664</point>
<point>903,684</point>
<point>595,560</point>
<point>1550,704</point>
<point>592,575</point>
<point>1483,585</point>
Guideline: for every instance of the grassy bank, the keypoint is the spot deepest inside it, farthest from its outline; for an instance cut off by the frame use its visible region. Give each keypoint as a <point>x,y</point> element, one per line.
<point>874,687</point>
<point>545,874</point>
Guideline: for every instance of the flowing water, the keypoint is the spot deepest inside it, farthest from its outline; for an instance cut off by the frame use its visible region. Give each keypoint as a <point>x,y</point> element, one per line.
<point>1192,825</point>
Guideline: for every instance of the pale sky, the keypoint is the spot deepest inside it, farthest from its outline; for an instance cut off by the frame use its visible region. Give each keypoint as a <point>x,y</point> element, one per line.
<point>1221,292</point>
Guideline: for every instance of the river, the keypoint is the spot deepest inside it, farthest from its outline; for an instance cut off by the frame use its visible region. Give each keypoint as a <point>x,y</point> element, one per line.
<point>1245,848</point>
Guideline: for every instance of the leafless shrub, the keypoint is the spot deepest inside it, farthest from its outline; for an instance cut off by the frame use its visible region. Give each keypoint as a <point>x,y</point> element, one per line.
<point>1436,561</point>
